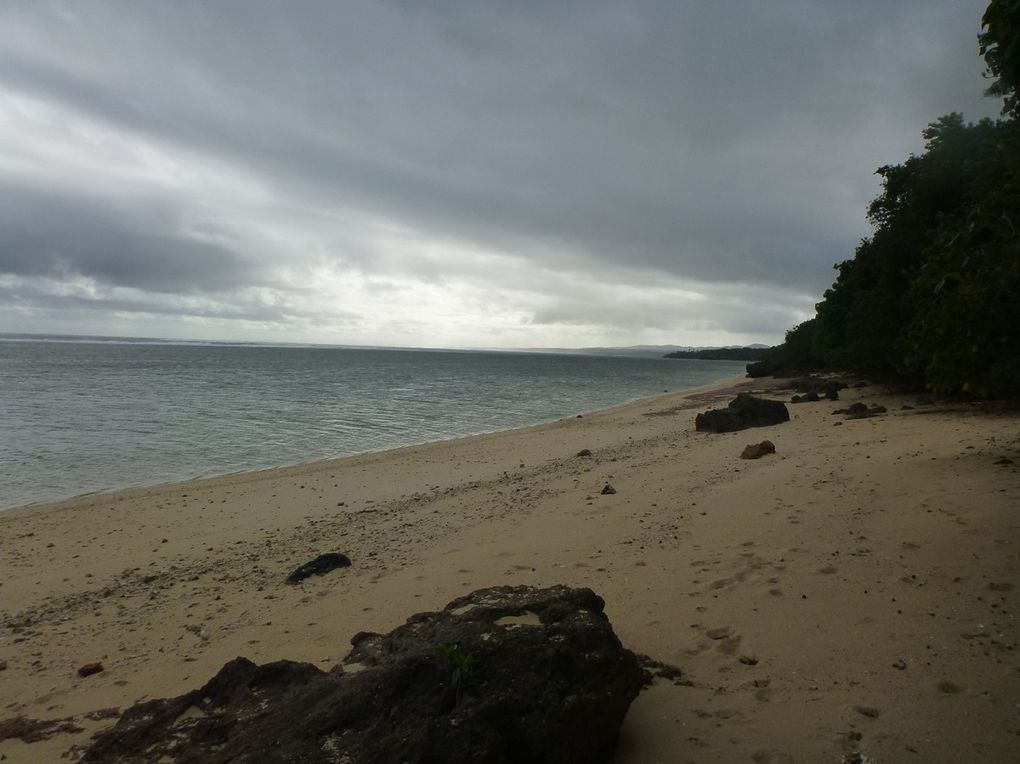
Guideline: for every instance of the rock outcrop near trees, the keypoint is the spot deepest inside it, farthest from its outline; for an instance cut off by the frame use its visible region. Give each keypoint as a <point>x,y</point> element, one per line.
<point>507,674</point>
<point>744,411</point>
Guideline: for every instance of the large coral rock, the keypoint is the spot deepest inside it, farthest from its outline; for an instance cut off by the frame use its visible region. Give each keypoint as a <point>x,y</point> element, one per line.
<point>508,674</point>
<point>744,411</point>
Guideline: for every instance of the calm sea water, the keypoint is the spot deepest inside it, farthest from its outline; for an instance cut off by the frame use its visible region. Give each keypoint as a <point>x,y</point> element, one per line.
<point>79,417</point>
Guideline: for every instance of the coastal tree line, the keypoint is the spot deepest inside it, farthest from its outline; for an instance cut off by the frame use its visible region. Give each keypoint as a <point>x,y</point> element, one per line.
<point>932,298</point>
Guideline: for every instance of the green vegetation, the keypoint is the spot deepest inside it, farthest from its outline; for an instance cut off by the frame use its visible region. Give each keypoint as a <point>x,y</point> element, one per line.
<point>1000,46</point>
<point>721,354</point>
<point>932,298</point>
<point>461,666</point>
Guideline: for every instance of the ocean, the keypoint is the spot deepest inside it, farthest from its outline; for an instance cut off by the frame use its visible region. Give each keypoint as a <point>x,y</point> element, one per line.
<point>91,415</point>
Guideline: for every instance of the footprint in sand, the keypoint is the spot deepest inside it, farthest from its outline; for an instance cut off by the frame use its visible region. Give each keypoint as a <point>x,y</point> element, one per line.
<point>722,632</point>
<point>729,646</point>
<point>771,756</point>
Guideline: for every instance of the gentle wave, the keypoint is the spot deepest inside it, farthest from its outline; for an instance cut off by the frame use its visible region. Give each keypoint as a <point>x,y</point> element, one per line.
<point>81,417</point>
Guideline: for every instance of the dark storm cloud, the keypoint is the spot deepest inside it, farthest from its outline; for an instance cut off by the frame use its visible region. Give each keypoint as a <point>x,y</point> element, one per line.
<point>722,143</point>
<point>139,243</point>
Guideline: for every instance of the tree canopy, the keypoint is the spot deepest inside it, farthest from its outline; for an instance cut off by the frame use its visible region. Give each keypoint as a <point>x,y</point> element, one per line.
<point>931,297</point>
<point>1000,46</point>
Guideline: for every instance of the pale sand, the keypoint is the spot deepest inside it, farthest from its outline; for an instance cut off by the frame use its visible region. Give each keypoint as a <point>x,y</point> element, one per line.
<point>854,547</point>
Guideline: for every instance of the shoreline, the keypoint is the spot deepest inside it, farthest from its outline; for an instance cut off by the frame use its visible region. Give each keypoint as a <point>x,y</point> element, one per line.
<point>81,497</point>
<point>853,550</point>
<point>43,503</point>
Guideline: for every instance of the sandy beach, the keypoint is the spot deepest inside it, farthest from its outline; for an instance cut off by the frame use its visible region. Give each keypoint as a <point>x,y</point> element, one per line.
<point>857,590</point>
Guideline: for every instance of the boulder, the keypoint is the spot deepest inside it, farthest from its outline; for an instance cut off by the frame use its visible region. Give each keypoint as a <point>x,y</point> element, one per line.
<point>763,368</point>
<point>320,566</point>
<point>758,450</point>
<point>811,397</point>
<point>744,411</point>
<point>507,674</point>
<point>817,386</point>
<point>859,410</point>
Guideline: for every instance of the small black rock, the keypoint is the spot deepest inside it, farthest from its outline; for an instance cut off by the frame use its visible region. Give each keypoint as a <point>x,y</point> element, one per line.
<point>320,566</point>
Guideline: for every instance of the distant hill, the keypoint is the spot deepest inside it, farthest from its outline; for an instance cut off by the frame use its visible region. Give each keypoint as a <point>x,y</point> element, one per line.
<point>746,353</point>
<point>642,351</point>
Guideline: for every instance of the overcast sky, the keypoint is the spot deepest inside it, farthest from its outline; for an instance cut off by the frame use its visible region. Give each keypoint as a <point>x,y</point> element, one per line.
<point>453,174</point>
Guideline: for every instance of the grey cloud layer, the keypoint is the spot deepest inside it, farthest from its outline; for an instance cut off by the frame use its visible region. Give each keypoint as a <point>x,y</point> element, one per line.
<point>718,143</point>
<point>44,232</point>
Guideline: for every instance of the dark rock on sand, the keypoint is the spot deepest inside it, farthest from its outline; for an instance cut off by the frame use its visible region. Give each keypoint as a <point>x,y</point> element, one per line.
<point>744,411</point>
<point>508,674</point>
<point>91,668</point>
<point>761,368</point>
<point>584,452</point>
<point>320,566</point>
<point>608,490</point>
<point>758,450</point>
<point>859,410</point>
<point>811,397</point>
<point>33,730</point>
<point>818,385</point>
<point>654,668</point>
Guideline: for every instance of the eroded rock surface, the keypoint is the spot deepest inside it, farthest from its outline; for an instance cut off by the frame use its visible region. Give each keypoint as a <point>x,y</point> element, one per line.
<point>507,674</point>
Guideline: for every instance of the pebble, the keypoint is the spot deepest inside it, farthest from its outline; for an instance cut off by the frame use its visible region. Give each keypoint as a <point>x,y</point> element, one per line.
<point>90,668</point>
